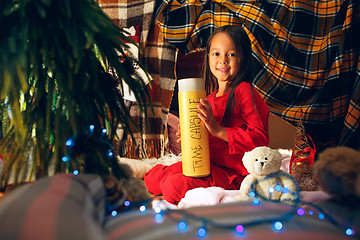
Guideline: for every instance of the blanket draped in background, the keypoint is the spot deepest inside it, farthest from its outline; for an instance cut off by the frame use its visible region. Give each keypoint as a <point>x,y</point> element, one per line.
<point>159,58</point>
<point>306,56</point>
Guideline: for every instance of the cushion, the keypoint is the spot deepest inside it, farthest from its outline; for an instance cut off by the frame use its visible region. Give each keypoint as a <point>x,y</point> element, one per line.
<point>64,206</point>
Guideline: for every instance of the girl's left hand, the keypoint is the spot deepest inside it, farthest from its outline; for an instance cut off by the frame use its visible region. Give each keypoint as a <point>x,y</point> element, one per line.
<point>178,134</point>
<point>207,117</point>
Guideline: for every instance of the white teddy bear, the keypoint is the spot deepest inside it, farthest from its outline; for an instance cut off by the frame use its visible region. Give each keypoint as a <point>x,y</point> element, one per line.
<point>263,165</point>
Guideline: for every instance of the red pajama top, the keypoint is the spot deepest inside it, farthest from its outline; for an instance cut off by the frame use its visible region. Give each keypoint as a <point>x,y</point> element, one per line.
<point>248,127</point>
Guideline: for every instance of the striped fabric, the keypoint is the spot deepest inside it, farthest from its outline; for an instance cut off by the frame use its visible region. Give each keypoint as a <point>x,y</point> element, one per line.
<point>158,57</point>
<point>67,207</point>
<point>306,56</point>
<point>148,225</point>
<point>64,206</point>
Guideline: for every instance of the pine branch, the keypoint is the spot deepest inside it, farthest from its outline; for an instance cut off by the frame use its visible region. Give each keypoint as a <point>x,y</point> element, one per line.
<point>53,78</point>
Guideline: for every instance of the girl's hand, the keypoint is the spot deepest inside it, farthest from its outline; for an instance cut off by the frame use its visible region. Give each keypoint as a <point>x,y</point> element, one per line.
<point>207,117</point>
<point>178,134</point>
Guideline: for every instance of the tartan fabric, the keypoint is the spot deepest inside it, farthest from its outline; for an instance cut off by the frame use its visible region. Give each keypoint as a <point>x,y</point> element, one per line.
<point>158,57</point>
<point>127,13</point>
<point>306,56</point>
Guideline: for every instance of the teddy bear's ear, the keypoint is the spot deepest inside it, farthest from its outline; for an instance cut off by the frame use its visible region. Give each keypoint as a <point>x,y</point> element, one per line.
<point>248,160</point>
<point>277,154</point>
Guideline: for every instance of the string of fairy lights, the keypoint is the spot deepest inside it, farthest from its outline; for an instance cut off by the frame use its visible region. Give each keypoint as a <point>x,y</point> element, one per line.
<point>83,143</point>
<point>277,223</point>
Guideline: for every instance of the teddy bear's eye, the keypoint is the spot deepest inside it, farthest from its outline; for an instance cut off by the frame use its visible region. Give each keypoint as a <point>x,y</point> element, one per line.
<point>266,158</point>
<point>256,160</point>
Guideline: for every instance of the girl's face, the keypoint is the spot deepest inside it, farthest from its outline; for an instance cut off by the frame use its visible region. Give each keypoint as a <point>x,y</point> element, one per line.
<point>223,59</point>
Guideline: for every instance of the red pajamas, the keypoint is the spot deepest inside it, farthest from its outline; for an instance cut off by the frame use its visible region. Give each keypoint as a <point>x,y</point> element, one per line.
<point>248,129</point>
<point>170,182</point>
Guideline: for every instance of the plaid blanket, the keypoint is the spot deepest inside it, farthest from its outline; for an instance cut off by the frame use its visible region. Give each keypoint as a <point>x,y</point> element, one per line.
<point>306,56</point>
<point>158,57</point>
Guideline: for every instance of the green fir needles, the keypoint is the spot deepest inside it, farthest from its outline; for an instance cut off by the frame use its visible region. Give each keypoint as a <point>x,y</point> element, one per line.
<point>54,84</point>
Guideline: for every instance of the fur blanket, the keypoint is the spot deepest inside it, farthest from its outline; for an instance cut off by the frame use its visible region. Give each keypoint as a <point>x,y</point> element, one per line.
<point>206,196</point>
<point>141,166</point>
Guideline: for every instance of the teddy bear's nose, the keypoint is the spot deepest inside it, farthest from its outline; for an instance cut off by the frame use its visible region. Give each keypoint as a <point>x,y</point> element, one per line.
<point>262,164</point>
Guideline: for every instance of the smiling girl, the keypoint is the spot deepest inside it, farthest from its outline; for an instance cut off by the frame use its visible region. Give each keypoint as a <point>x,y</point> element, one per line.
<point>234,114</point>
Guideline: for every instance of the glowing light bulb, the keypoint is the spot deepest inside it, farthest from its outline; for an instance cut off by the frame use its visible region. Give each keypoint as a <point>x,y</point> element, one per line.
<point>201,232</point>
<point>271,189</point>
<point>278,226</point>
<point>75,172</point>
<point>157,209</point>
<point>114,213</point>
<point>311,212</point>
<point>300,212</point>
<point>127,203</point>
<point>65,159</point>
<point>110,154</point>
<point>256,201</point>
<point>350,232</point>
<point>239,228</point>
<point>69,142</point>
<point>104,131</point>
<point>158,217</point>
<point>321,216</point>
<point>92,127</point>
<point>285,190</point>
<point>278,187</point>
<point>142,208</point>
<point>182,226</point>
<point>252,194</point>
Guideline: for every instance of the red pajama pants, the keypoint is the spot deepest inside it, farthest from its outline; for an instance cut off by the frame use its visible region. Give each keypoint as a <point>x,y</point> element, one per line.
<point>170,182</point>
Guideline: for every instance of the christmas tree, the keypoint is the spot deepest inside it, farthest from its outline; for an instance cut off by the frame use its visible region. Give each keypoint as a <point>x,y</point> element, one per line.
<point>59,105</point>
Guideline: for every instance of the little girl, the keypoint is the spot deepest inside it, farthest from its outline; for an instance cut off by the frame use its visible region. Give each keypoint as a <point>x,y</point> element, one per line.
<point>234,114</point>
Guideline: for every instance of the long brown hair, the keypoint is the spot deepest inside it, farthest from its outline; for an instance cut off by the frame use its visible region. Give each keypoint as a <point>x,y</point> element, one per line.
<point>244,53</point>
